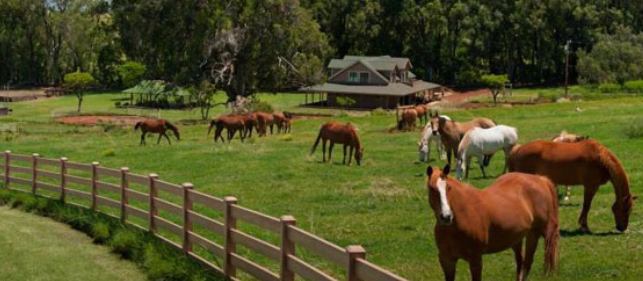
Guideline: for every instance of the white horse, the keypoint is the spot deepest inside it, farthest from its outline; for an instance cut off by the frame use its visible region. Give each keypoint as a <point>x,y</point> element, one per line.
<point>484,142</point>
<point>424,145</point>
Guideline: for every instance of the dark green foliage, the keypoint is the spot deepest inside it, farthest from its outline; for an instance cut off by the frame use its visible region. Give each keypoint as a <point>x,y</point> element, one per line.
<point>131,73</point>
<point>615,58</point>
<point>125,243</point>
<point>100,232</point>
<point>609,88</point>
<point>633,87</point>
<point>261,106</point>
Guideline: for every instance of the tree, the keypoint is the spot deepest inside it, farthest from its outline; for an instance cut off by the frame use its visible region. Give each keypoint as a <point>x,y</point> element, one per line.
<point>77,83</point>
<point>615,58</point>
<point>131,73</point>
<point>204,94</point>
<point>496,84</point>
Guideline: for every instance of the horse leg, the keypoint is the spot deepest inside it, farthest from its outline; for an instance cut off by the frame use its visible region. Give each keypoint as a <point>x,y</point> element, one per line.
<point>590,191</point>
<point>142,139</point>
<point>481,159</point>
<point>518,255</point>
<point>532,244</point>
<point>344,162</point>
<point>159,139</point>
<point>330,151</point>
<point>350,155</point>
<point>448,267</point>
<point>168,138</point>
<point>468,165</point>
<point>475,267</point>
<point>324,150</point>
<point>242,135</point>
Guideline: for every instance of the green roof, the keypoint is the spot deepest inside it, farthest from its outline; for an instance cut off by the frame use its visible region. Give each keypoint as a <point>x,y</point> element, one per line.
<point>381,63</point>
<point>393,89</point>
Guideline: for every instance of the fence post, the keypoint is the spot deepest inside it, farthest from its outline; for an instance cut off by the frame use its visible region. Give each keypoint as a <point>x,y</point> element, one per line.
<point>124,195</point>
<point>63,178</point>
<point>230,247</point>
<point>7,170</point>
<point>34,172</point>
<point>287,248</point>
<point>94,185</point>
<point>187,223</point>
<point>152,195</point>
<point>354,253</point>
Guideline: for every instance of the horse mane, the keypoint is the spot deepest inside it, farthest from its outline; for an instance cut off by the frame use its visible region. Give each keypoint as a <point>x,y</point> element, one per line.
<point>466,140</point>
<point>616,171</point>
<point>171,126</point>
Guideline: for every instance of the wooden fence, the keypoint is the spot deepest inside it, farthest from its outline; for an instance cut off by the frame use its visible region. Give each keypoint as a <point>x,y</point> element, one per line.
<point>351,259</point>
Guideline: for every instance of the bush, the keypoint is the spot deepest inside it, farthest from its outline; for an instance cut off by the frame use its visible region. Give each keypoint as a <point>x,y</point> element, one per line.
<point>261,106</point>
<point>379,112</point>
<point>110,152</point>
<point>100,232</point>
<point>125,243</point>
<point>286,137</point>
<point>609,88</point>
<point>634,129</point>
<point>162,266</point>
<point>633,87</point>
<point>131,73</point>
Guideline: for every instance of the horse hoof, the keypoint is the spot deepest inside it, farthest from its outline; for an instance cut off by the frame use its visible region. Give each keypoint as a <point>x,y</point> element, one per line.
<point>585,229</point>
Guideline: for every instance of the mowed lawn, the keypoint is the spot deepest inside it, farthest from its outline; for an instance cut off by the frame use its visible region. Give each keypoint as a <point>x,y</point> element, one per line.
<point>382,204</point>
<point>37,248</point>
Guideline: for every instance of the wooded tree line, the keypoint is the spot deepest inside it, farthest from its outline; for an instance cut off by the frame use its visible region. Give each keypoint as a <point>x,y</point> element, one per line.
<point>245,45</point>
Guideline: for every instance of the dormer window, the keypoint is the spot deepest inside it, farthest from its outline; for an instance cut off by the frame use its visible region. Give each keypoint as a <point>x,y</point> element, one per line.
<point>363,77</point>
<point>353,77</point>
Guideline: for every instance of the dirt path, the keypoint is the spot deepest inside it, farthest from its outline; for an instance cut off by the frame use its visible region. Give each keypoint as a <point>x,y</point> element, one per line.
<point>94,120</point>
<point>464,95</point>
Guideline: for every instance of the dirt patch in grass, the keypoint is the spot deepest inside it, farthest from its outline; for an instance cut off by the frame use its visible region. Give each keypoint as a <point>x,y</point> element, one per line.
<point>124,120</point>
<point>465,95</point>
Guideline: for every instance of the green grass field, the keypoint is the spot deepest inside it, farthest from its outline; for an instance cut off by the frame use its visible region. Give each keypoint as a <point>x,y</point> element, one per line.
<point>37,248</point>
<point>382,204</point>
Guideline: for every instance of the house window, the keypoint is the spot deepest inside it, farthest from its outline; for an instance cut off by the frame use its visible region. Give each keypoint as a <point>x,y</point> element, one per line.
<point>352,77</point>
<point>363,77</point>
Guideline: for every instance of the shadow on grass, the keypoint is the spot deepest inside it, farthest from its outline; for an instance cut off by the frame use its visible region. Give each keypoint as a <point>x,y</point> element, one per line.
<point>578,232</point>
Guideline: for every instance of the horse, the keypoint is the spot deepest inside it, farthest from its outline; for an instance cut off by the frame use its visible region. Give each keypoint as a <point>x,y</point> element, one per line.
<point>421,111</point>
<point>408,120</point>
<point>159,126</point>
<point>586,163</point>
<point>452,132</point>
<point>345,134</point>
<point>471,222</point>
<point>278,119</point>
<point>264,120</point>
<point>484,142</point>
<point>424,145</point>
<point>229,122</point>
<point>567,137</point>
<point>250,121</point>
<point>287,125</point>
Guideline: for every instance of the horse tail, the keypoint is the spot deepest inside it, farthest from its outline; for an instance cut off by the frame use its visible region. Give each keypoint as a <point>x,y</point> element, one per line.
<point>138,124</point>
<point>312,150</point>
<point>552,231</point>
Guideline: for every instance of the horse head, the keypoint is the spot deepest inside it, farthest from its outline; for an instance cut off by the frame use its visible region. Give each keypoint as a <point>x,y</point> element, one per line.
<point>436,122</point>
<point>359,153</point>
<point>438,190</point>
<point>622,210</point>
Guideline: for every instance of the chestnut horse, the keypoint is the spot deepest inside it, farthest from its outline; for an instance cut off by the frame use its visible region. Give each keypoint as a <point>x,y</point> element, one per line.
<point>278,119</point>
<point>408,120</point>
<point>250,121</point>
<point>345,134</point>
<point>159,126</point>
<point>452,132</point>
<point>287,125</point>
<point>421,111</point>
<point>471,222</point>
<point>264,120</point>
<point>229,122</point>
<point>567,137</point>
<point>586,162</point>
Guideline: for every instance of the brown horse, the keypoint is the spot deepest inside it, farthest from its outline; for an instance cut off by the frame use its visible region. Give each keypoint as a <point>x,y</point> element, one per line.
<point>345,134</point>
<point>471,222</point>
<point>229,122</point>
<point>249,121</point>
<point>264,120</point>
<point>409,117</point>
<point>159,126</point>
<point>287,125</point>
<point>278,119</point>
<point>421,111</point>
<point>451,132</point>
<point>567,137</point>
<point>585,162</point>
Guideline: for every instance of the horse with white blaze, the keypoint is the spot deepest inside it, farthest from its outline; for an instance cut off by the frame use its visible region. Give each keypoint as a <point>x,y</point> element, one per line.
<point>481,142</point>
<point>424,145</point>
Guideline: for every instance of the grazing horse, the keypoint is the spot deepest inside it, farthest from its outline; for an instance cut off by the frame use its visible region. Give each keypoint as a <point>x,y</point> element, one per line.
<point>424,145</point>
<point>250,121</point>
<point>484,142</point>
<point>264,120</point>
<point>421,111</point>
<point>585,162</point>
<point>278,119</point>
<point>345,134</point>
<point>452,132</point>
<point>567,137</point>
<point>471,222</point>
<point>231,123</point>
<point>287,125</point>
<point>409,117</point>
<point>159,126</point>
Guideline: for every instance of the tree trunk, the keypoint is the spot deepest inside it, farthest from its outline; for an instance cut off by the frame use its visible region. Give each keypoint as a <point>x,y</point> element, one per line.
<point>80,100</point>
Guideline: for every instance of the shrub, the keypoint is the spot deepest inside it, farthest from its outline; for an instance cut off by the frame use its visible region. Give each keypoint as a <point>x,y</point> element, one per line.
<point>634,129</point>
<point>379,112</point>
<point>131,73</point>
<point>100,232</point>
<point>286,137</point>
<point>162,266</point>
<point>125,243</point>
<point>633,87</point>
<point>110,152</point>
<point>609,88</point>
<point>117,104</point>
<point>5,196</point>
<point>257,106</point>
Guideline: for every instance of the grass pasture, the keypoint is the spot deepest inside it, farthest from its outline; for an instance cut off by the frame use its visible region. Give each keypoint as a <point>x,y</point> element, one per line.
<point>382,204</point>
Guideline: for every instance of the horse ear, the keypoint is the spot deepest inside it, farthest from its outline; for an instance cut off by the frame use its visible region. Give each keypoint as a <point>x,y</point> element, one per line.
<point>429,171</point>
<point>446,170</point>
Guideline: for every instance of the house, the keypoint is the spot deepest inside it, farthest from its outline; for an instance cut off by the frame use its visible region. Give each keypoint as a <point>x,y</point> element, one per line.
<point>371,82</point>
